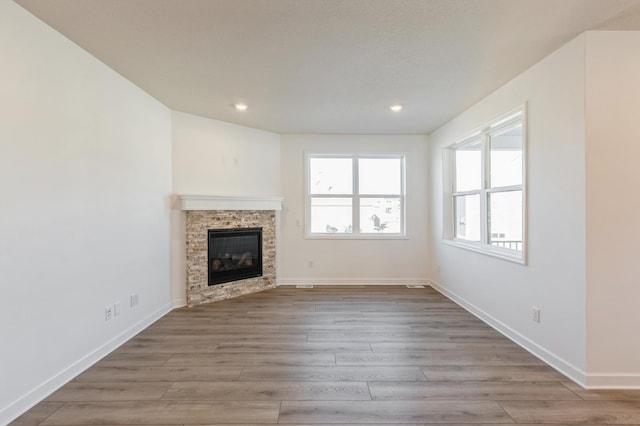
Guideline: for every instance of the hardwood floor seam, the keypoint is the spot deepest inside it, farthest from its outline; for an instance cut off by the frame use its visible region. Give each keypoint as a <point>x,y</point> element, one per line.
<point>506,412</point>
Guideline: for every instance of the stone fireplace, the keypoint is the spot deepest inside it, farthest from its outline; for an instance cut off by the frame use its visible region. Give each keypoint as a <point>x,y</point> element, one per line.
<point>205,214</point>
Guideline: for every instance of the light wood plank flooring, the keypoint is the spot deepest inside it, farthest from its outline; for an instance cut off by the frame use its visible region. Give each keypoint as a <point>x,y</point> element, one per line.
<point>327,355</point>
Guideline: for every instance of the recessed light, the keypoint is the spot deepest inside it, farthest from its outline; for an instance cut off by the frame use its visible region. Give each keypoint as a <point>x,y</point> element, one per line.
<point>241,107</point>
<point>395,108</point>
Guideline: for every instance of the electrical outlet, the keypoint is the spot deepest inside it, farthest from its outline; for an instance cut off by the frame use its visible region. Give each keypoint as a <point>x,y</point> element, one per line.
<point>134,299</point>
<point>535,314</point>
<point>116,309</point>
<point>108,313</point>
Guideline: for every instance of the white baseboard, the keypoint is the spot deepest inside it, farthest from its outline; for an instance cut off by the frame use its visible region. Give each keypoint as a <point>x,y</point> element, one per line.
<point>352,281</point>
<point>178,303</point>
<point>564,367</point>
<point>613,381</point>
<point>33,397</point>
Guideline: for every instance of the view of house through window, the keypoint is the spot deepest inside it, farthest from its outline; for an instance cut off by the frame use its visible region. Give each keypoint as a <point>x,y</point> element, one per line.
<point>487,179</point>
<point>355,195</point>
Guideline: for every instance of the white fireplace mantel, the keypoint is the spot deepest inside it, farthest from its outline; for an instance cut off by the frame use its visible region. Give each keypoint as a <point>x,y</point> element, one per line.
<point>214,202</point>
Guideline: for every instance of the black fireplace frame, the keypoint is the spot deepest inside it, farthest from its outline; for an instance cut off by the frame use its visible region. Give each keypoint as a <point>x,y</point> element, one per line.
<point>225,276</point>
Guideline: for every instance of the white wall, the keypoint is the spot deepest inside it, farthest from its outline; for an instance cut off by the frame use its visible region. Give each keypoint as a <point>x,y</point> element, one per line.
<point>85,181</point>
<point>212,157</point>
<point>502,292</point>
<point>613,208</point>
<point>353,261</point>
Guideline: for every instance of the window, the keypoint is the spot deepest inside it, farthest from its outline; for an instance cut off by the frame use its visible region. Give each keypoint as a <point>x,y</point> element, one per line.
<point>355,196</point>
<point>485,177</point>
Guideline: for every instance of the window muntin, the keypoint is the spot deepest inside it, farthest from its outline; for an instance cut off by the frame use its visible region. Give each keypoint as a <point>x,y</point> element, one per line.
<point>487,196</point>
<point>355,195</point>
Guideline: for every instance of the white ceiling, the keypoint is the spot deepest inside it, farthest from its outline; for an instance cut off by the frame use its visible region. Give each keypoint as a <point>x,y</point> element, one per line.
<point>327,66</point>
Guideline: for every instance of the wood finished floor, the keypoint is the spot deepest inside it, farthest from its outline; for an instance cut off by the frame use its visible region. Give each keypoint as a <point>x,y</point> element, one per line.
<point>327,355</point>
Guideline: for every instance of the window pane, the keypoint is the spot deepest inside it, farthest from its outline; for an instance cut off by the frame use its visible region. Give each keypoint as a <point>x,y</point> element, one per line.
<point>380,215</point>
<point>330,175</point>
<point>331,215</point>
<point>380,176</point>
<point>468,167</point>
<point>505,219</point>
<point>506,157</point>
<point>467,211</point>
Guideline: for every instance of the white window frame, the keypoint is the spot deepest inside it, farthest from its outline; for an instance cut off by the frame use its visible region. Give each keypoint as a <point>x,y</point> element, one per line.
<point>355,199</point>
<point>483,135</point>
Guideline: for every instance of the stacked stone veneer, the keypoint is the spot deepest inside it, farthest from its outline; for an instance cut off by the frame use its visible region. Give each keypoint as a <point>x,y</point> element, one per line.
<point>198,223</point>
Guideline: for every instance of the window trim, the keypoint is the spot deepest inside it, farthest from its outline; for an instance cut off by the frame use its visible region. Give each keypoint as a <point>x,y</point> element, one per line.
<point>355,196</point>
<point>483,134</point>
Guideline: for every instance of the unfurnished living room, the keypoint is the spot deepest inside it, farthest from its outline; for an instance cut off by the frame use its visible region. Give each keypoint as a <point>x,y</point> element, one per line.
<point>315,212</point>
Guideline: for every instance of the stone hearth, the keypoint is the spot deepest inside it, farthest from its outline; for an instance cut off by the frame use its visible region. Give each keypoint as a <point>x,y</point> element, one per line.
<point>204,213</point>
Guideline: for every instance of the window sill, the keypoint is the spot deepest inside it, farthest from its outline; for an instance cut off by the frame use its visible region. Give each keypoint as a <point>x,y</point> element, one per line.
<point>489,251</point>
<point>355,237</point>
